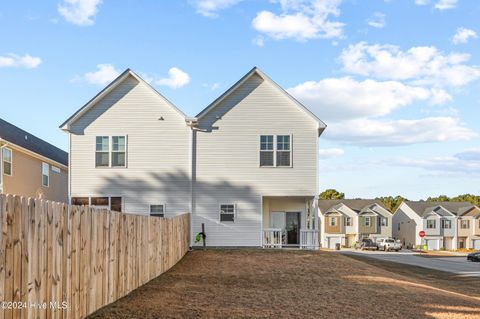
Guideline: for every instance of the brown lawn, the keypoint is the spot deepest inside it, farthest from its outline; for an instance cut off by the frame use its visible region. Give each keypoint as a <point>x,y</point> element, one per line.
<point>300,284</point>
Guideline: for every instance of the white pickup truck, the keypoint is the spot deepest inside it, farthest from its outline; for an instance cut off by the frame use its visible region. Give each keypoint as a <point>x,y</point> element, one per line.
<point>387,244</point>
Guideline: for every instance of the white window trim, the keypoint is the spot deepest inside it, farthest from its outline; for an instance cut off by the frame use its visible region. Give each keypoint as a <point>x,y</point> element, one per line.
<point>56,169</point>
<point>348,221</point>
<point>157,214</point>
<point>272,150</point>
<point>333,218</point>
<point>434,224</point>
<point>11,161</point>
<point>290,147</point>
<point>48,174</point>
<point>234,212</point>
<point>110,151</point>
<point>369,221</point>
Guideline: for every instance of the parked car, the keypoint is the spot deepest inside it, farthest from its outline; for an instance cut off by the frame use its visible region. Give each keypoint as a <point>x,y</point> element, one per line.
<point>474,256</point>
<point>387,244</point>
<point>368,244</point>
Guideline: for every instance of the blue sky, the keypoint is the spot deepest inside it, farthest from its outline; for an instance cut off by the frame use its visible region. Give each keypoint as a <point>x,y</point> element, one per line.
<point>397,81</point>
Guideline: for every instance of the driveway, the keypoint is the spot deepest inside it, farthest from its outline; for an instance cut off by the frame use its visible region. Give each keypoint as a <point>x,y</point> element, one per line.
<point>457,265</point>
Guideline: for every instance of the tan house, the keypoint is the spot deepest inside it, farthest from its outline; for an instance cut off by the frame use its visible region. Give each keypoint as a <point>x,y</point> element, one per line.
<point>30,166</point>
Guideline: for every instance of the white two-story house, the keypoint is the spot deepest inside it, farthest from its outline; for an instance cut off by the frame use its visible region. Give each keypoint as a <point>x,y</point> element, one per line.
<point>446,225</point>
<point>245,167</point>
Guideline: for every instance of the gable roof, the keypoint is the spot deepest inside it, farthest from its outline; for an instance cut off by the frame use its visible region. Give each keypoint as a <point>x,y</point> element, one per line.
<point>357,205</point>
<point>23,139</point>
<point>110,87</point>
<point>422,208</point>
<point>321,125</point>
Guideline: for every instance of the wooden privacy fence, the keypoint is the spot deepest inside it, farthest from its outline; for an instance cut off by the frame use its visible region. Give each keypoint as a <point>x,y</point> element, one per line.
<point>63,261</point>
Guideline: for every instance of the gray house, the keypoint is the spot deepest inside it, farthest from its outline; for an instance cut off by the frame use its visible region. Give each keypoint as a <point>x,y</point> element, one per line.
<point>245,167</point>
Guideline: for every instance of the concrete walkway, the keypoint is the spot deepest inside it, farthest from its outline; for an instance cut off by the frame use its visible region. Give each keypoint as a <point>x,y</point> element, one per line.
<point>456,265</point>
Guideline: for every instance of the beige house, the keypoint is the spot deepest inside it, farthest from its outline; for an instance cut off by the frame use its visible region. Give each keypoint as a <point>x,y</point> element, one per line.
<point>346,221</point>
<point>30,166</point>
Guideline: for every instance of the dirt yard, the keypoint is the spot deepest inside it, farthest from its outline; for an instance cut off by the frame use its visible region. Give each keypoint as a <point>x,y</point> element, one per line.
<point>296,284</point>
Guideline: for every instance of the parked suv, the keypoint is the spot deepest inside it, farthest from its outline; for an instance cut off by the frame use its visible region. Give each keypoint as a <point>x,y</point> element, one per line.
<point>387,244</point>
<point>368,244</point>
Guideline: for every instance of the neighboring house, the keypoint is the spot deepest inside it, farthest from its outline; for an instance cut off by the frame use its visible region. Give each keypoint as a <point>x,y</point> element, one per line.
<point>346,221</point>
<point>245,167</point>
<point>447,225</point>
<point>30,166</point>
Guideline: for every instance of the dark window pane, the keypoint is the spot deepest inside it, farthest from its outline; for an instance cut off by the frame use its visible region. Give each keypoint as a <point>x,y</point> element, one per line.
<point>266,142</point>
<point>266,158</point>
<point>283,158</point>
<point>226,217</point>
<point>102,144</point>
<point>116,204</point>
<point>118,143</point>
<point>118,159</point>
<point>7,168</point>
<point>45,180</point>
<point>157,210</point>
<point>101,159</point>
<point>79,200</point>
<point>99,201</point>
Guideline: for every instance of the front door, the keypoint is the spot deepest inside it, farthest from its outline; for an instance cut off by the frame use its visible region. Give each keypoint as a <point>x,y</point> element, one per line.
<point>292,227</point>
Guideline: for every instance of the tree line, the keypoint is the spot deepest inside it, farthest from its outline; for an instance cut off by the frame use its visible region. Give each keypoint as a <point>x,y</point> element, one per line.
<point>392,203</point>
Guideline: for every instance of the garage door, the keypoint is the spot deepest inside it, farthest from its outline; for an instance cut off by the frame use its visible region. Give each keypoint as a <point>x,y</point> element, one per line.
<point>332,241</point>
<point>476,244</point>
<point>433,244</point>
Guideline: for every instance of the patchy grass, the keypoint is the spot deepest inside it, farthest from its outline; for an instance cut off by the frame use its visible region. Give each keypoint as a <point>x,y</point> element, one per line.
<point>292,283</point>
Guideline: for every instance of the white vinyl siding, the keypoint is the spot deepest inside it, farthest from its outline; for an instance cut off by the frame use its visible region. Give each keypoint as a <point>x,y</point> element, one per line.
<point>227,160</point>
<point>157,152</point>
<point>45,174</point>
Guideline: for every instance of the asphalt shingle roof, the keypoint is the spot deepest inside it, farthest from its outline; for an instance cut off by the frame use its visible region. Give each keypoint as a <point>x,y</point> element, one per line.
<point>16,135</point>
<point>422,207</point>
<point>355,204</point>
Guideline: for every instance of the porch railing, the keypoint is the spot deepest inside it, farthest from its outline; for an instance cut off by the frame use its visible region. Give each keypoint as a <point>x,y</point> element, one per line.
<point>272,238</point>
<point>309,239</point>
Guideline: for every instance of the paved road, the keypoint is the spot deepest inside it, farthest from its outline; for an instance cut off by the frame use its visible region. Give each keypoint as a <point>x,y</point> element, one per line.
<point>456,265</point>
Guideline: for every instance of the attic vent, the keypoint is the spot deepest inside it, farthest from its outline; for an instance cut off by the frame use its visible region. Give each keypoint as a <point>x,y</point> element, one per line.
<point>161,118</point>
<point>26,137</point>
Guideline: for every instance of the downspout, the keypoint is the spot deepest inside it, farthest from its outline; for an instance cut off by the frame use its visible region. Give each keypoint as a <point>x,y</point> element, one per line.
<point>1,165</point>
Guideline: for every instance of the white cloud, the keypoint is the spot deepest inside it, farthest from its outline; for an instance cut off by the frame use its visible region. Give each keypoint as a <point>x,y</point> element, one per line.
<point>347,98</point>
<point>368,132</point>
<point>210,8</point>
<point>176,79</point>
<point>215,86</point>
<point>422,2</point>
<point>105,74</point>
<point>12,60</point>
<point>421,65</point>
<point>377,20</point>
<point>301,20</point>
<point>446,4</point>
<point>259,41</point>
<point>326,153</point>
<point>463,35</point>
<point>79,12</point>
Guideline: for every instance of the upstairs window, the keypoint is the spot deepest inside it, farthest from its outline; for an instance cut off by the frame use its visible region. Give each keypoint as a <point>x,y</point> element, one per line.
<point>348,221</point>
<point>384,221</point>
<point>45,174</point>
<point>227,212</point>
<point>102,158</point>
<point>446,224</point>
<point>333,221</point>
<point>431,223</point>
<point>118,151</point>
<point>464,224</point>
<point>7,161</point>
<point>157,210</point>
<point>283,150</point>
<point>368,221</point>
<point>266,150</point>
<point>110,151</point>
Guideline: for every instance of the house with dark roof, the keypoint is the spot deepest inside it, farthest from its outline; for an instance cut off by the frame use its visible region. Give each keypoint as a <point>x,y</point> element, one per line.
<point>444,225</point>
<point>30,166</point>
<point>346,221</point>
